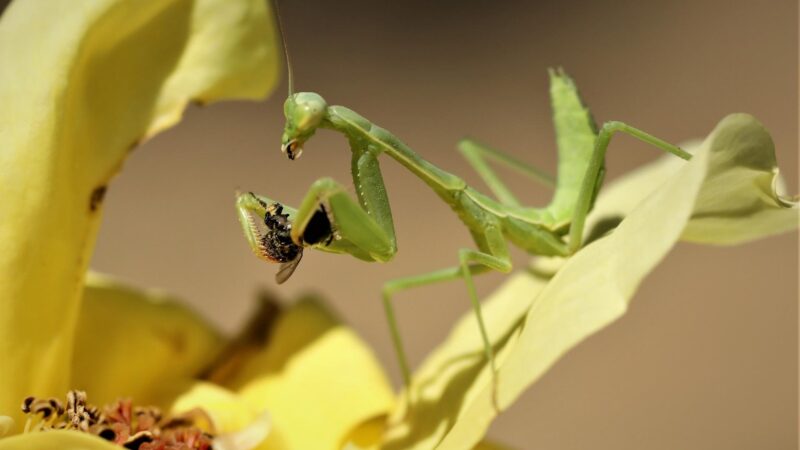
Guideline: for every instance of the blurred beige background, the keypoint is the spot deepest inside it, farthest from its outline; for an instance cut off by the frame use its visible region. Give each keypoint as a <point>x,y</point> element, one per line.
<point>707,356</point>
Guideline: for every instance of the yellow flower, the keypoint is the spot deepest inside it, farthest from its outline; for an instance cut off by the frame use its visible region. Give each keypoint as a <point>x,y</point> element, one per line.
<point>81,83</point>
<point>299,366</point>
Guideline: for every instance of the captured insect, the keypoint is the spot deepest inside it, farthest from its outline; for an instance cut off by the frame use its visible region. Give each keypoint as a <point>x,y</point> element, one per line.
<point>330,220</point>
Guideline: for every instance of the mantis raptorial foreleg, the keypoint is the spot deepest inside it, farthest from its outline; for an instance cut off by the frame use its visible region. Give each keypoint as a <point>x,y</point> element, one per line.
<point>328,218</point>
<point>351,227</point>
<point>365,225</point>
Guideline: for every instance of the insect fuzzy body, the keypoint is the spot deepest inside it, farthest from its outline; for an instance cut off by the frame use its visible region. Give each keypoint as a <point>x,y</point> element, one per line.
<point>364,228</point>
<point>273,242</point>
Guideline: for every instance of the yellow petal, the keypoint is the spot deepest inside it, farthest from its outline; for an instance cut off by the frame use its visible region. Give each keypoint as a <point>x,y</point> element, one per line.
<point>316,378</point>
<point>58,439</point>
<point>6,425</point>
<point>368,435</point>
<point>228,411</point>
<point>252,437</point>
<point>137,344</point>
<point>80,84</point>
<point>446,386</point>
<point>739,200</point>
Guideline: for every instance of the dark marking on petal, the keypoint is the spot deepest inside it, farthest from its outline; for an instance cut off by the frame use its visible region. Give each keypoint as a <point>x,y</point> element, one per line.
<point>135,144</point>
<point>253,337</point>
<point>97,197</point>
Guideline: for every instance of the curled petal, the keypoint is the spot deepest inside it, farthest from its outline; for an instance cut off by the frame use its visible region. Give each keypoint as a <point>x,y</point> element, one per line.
<point>103,76</point>
<point>227,411</point>
<point>137,344</point>
<point>739,201</point>
<point>741,198</point>
<point>251,437</point>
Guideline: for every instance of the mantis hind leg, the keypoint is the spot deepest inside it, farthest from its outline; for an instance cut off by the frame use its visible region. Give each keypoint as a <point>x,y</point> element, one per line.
<point>589,184</point>
<point>477,156</point>
<point>471,262</point>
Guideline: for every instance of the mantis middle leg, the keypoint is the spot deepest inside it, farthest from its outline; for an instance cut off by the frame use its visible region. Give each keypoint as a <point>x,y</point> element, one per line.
<point>493,256</point>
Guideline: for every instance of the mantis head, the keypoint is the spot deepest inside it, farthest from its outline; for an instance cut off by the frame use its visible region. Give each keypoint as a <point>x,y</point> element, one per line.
<point>304,112</point>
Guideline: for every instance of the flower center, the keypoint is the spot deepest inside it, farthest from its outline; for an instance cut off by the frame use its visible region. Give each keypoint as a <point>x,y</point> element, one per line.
<point>132,427</point>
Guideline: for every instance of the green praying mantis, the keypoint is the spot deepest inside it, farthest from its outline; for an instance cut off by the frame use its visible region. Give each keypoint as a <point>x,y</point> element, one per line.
<point>329,219</point>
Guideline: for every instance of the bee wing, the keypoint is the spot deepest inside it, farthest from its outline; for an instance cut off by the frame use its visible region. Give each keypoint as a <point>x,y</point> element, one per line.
<point>287,269</point>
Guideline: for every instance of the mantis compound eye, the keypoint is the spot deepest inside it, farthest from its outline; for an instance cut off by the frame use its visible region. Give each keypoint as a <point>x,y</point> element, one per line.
<point>292,149</point>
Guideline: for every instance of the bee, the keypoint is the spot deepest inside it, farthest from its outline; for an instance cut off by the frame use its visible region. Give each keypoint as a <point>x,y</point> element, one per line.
<point>275,243</point>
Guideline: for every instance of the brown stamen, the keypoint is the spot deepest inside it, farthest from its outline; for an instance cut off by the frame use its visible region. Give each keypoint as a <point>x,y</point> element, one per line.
<point>132,427</point>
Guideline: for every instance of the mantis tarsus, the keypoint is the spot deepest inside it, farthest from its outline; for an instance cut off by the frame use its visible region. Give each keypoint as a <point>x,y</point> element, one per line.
<point>329,219</point>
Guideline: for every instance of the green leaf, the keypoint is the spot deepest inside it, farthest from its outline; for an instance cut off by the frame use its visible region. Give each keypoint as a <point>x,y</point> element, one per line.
<point>82,82</point>
<point>533,321</point>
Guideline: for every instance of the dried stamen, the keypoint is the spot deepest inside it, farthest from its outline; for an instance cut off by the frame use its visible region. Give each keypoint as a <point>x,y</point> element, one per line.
<point>142,428</point>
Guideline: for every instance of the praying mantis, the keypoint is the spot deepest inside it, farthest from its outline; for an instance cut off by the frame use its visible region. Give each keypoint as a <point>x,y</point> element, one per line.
<point>329,219</point>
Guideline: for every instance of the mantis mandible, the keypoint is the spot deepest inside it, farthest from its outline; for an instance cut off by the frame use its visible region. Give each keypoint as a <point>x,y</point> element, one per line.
<point>330,220</point>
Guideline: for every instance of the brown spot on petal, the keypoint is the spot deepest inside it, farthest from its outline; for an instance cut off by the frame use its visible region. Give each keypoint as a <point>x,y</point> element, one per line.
<point>136,142</point>
<point>97,197</point>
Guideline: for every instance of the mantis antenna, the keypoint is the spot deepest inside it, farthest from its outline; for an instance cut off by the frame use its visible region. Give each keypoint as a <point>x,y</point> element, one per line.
<point>285,48</point>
